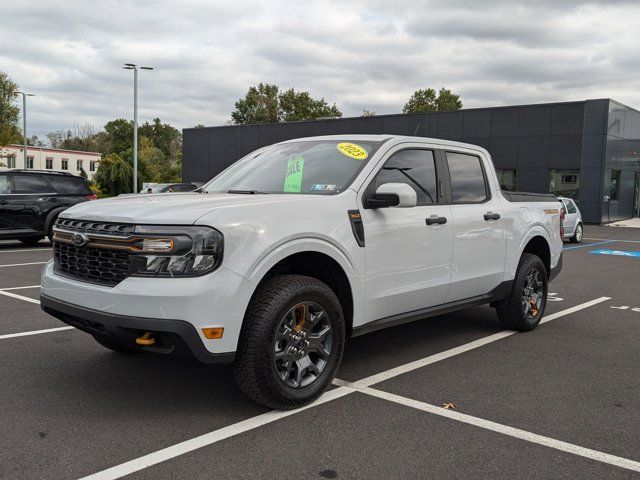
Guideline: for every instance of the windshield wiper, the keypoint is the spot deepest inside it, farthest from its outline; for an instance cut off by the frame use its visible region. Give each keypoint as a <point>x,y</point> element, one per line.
<point>246,192</point>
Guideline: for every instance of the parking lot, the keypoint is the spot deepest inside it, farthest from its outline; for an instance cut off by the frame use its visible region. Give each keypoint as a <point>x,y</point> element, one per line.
<point>562,401</point>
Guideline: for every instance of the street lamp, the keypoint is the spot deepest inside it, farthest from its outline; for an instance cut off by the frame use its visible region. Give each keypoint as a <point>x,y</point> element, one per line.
<point>134,67</point>
<point>24,123</point>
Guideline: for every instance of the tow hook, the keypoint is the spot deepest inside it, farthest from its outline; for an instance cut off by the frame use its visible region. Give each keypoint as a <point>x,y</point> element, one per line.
<point>146,339</point>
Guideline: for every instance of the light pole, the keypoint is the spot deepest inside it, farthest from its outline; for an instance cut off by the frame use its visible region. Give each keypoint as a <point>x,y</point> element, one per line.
<point>24,123</point>
<point>134,67</point>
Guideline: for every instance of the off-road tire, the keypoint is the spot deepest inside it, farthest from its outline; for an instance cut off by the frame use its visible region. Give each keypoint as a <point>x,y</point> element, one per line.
<point>510,312</point>
<point>253,366</point>
<point>114,345</point>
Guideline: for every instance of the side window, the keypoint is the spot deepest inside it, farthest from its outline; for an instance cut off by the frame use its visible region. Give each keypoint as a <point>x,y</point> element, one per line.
<point>4,185</point>
<point>467,178</point>
<point>571,207</point>
<point>416,168</point>
<point>30,184</point>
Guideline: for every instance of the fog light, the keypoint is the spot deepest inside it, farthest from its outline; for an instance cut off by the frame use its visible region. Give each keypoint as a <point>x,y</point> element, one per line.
<point>213,333</point>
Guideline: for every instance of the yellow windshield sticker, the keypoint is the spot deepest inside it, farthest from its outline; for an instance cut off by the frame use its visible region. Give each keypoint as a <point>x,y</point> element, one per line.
<point>352,150</point>
<point>293,177</point>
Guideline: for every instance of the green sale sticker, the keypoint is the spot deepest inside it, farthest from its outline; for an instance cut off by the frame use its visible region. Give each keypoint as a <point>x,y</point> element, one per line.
<point>293,178</point>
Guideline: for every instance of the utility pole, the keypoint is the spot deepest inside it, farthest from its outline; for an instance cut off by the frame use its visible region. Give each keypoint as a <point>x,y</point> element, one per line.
<point>24,123</point>
<point>134,67</point>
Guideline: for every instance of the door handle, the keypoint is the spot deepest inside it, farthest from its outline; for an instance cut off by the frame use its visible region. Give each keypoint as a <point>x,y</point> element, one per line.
<point>491,216</point>
<point>435,219</point>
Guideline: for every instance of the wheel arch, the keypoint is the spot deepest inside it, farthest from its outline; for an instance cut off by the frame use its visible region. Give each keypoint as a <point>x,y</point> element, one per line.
<point>321,266</point>
<point>539,246</point>
<point>51,216</point>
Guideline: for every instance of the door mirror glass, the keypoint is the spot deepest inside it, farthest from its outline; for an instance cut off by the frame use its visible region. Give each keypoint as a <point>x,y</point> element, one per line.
<point>392,195</point>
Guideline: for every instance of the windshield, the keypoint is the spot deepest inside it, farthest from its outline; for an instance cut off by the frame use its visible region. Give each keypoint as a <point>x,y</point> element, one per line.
<point>321,167</point>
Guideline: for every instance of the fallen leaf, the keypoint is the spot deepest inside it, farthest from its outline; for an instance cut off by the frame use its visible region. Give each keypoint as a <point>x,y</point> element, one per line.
<point>448,406</point>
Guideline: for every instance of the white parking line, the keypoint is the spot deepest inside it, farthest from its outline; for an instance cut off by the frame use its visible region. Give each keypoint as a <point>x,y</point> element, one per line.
<point>19,288</point>
<point>506,430</point>
<point>19,297</point>
<point>35,332</point>
<point>22,264</point>
<point>345,388</point>
<point>27,250</point>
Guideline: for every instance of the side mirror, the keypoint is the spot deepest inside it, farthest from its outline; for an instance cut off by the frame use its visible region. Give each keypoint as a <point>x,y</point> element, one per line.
<point>392,195</point>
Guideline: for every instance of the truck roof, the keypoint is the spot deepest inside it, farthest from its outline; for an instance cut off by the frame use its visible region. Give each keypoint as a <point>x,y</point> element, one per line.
<point>396,138</point>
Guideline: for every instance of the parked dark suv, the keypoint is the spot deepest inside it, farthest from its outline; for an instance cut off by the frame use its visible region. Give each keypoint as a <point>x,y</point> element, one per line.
<point>31,200</point>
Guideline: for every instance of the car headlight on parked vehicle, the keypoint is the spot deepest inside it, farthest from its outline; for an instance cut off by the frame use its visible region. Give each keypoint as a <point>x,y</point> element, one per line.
<point>188,251</point>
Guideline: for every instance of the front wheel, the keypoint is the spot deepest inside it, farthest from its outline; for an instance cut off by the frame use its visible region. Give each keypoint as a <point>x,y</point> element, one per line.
<point>291,342</point>
<point>524,307</point>
<point>577,236</point>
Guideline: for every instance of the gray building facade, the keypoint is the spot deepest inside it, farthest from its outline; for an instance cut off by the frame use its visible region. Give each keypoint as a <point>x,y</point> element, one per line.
<point>588,150</point>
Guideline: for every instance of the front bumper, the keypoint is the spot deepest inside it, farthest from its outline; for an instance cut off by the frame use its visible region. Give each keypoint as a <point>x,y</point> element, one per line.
<point>175,338</point>
<point>215,300</point>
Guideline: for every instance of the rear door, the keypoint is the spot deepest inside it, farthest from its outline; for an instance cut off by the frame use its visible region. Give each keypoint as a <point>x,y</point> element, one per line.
<point>408,261</point>
<point>32,199</point>
<point>5,212</point>
<point>479,235</point>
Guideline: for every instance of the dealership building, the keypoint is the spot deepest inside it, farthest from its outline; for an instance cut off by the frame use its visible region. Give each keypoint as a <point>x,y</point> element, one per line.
<point>587,150</point>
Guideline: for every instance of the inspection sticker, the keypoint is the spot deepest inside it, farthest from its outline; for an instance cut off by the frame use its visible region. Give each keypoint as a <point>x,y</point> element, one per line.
<point>619,253</point>
<point>352,150</point>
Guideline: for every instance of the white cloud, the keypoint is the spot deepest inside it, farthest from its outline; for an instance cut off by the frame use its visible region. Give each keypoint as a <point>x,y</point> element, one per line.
<point>360,54</point>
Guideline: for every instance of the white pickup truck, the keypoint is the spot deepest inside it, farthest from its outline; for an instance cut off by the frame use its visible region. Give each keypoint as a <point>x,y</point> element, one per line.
<point>278,259</point>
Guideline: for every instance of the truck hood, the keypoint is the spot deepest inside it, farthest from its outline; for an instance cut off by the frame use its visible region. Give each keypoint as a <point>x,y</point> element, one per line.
<point>169,208</point>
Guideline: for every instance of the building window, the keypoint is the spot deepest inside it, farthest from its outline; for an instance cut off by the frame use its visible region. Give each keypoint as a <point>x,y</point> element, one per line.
<point>614,184</point>
<point>92,166</point>
<point>29,162</point>
<point>507,179</point>
<point>79,165</point>
<point>65,164</point>
<point>565,183</point>
<point>49,163</point>
<point>11,161</point>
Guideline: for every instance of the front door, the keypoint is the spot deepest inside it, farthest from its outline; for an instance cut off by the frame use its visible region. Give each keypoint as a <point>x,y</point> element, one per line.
<point>408,261</point>
<point>479,236</point>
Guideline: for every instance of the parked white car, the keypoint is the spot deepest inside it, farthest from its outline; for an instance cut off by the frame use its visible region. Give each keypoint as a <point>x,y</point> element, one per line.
<point>298,245</point>
<point>572,224</point>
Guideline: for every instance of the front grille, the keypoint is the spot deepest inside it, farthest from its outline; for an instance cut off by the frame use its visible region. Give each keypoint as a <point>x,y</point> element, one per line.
<point>97,265</point>
<point>108,267</point>
<point>102,228</point>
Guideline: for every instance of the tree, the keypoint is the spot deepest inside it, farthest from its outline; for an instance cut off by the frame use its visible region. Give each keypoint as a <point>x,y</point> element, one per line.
<point>114,175</point>
<point>427,101</point>
<point>368,113</point>
<point>9,111</point>
<point>119,136</point>
<point>300,106</point>
<point>260,105</point>
<point>165,137</point>
<point>265,104</point>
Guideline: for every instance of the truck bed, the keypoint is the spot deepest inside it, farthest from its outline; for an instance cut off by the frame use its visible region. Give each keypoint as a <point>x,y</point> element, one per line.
<point>528,196</point>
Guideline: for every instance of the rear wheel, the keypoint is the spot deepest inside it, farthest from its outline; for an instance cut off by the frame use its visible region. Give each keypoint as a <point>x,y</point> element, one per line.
<point>30,240</point>
<point>525,306</point>
<point>115,345</point>
<point>577,235</point>
<point>291,342</point>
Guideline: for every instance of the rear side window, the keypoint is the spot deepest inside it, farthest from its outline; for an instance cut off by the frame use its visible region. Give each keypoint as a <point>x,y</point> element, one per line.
<point>4,184</point>
<point>30,184</point>
<point>467,178</point>
<point>416,168</point>
<point>571,207</point>
<point>69,185</point>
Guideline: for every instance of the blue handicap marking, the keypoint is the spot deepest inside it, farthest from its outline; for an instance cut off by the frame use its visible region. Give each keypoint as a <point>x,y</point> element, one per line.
<point>619,253</point>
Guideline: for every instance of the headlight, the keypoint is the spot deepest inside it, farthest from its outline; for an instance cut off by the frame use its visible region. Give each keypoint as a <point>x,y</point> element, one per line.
<point>187,251</point>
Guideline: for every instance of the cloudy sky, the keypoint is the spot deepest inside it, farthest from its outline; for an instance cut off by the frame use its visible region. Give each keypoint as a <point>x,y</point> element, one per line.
<point>360,54</point>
